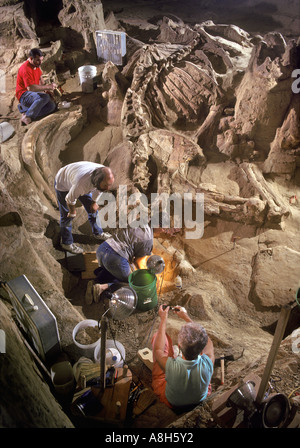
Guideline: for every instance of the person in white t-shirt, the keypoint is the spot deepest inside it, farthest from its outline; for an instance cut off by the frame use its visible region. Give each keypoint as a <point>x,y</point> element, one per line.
<point>84,181</point>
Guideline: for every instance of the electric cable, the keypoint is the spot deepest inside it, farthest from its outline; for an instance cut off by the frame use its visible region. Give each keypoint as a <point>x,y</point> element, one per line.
<point>113,335</point>
<point>293,391</point>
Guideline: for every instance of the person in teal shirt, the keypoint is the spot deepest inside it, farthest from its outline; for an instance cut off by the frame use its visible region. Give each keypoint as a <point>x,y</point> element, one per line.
<point>182,381</point>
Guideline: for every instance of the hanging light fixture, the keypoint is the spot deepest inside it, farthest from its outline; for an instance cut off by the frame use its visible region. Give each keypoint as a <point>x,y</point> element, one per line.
<point>155,264</point>
<point>243,398</point>
<point>120,301</point>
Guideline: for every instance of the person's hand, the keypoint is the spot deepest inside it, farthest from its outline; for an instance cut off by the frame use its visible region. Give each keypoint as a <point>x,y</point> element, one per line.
<point>163,311</point>
<point>72,210</point>
<point>94,207</point>
<point>181,312</point>
<point>53,86</point>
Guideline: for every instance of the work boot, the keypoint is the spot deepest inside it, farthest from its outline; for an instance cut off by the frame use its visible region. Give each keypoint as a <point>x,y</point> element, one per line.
<point>89,293</point>
<point>93,292</point>
<point>72,248</point>
<point>97,290</point>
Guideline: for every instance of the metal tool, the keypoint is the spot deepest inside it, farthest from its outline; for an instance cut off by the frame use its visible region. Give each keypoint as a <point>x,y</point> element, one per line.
<point>220,362</point>
<point>172,308</point>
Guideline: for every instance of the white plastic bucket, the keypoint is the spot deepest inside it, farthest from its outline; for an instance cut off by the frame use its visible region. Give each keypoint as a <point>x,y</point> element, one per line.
<point>85,349</point>
<point>62,377</point>
<point>87,74</point>
<point>112,348</point>
<point>6,131</point>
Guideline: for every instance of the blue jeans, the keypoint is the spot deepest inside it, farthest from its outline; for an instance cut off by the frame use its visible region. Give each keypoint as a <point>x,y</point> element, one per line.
<point>114,267</point>
<point>66,223</point>
<point>38,104</point>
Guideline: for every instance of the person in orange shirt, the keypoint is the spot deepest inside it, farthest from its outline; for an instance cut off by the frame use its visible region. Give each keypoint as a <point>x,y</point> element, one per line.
<point>31,92</point>
<point>183,381</point>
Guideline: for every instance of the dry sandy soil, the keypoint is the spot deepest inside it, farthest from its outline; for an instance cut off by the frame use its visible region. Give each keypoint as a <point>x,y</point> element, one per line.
<point>235,327</point>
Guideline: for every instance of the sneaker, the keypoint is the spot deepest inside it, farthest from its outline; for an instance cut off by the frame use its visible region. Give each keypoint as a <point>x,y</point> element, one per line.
<point>89,293</point>
<point>25,120</point>
<point>102,236</point>
<point>72,248</point>
<point>64,105</point>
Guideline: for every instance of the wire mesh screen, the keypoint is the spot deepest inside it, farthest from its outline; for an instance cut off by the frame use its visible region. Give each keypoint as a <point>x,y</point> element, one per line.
<point>111,46</point>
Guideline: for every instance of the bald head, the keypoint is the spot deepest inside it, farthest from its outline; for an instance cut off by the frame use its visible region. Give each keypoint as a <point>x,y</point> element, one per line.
<point>103,178</point>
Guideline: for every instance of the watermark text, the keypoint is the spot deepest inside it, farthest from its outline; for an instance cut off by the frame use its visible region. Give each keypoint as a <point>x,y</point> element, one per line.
<point>296,83</point>
<point>2,341</point>
<point>135,211</point>
<point>296,341</point>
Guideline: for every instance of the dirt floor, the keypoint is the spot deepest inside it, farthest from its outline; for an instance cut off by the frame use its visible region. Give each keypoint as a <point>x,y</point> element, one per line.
<point>236,328</point>
<point>136,331</point>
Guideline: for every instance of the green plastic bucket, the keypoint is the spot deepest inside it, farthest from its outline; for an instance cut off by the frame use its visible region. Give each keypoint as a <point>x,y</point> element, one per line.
<point>144,283</point>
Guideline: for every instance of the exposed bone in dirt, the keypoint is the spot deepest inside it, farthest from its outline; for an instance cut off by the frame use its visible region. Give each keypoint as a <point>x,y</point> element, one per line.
<point>201,106</point>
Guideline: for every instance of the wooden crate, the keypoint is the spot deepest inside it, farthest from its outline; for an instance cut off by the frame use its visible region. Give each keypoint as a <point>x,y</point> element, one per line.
<point>90,263</point>
<point>110,412</point>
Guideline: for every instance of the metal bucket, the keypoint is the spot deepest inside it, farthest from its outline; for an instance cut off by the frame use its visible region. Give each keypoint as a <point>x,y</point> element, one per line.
<point>144,283</point>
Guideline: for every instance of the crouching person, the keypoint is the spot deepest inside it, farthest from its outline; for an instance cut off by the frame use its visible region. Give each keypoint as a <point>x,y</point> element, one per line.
<point>115,257</point>
<point>182,382</point>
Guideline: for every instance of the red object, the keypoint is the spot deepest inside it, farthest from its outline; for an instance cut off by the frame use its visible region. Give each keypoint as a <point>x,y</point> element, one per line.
<point>27,75</point>
<point>158,375</point>
<point>293,199</point>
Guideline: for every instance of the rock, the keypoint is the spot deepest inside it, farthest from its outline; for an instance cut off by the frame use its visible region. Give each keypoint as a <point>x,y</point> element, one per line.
<point>210,111</point>
<point>275,273</point>
<point>46,412</point>
<point>265,110</point>
<point>85,18</point>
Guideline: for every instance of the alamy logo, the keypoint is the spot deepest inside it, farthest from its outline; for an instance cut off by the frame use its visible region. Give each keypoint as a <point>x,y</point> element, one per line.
<point>296,83</point>
<point>133,211</point>
<point>2,82</point>
<point>2,342</point>
<point>296,341</point>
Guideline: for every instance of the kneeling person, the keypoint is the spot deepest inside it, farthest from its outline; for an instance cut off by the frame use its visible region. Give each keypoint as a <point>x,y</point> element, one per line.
<point>115,257</point>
